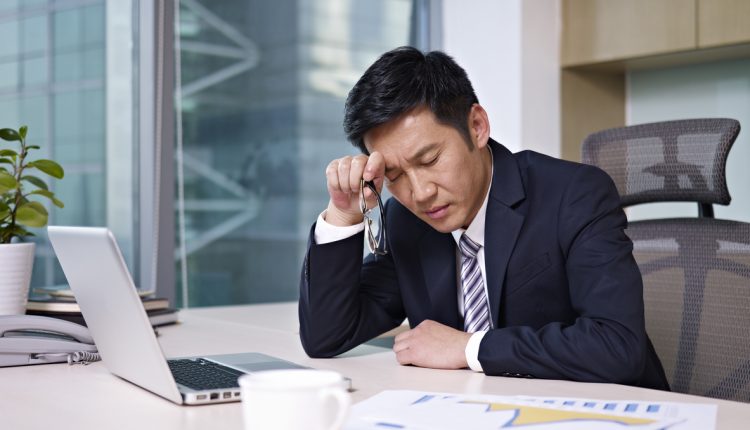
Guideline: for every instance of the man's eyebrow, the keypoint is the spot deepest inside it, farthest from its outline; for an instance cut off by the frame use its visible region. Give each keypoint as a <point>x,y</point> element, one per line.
<point>422,151</point>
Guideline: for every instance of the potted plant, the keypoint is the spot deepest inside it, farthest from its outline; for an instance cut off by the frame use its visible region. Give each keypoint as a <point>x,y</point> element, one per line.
<point>19,187</point>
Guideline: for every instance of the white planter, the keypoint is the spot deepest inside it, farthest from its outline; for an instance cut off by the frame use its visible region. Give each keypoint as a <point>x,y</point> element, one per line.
<point>16,260</point>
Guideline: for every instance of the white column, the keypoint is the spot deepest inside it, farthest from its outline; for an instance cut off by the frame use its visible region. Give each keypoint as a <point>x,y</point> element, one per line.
<point>510,50</point>
<point>119,125</point>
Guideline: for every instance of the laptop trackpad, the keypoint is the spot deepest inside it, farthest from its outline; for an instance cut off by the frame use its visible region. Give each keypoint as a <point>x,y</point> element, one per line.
<point>253,362</point>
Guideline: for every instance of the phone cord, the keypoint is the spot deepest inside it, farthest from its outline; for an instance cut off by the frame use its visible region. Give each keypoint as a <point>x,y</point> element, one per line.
<point>83,357</point>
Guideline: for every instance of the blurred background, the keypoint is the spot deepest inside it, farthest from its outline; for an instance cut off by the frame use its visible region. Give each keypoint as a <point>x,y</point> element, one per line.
<point>198,131</point>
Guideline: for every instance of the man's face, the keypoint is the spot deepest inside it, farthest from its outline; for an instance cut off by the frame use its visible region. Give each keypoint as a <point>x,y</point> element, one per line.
<point>430,169</point>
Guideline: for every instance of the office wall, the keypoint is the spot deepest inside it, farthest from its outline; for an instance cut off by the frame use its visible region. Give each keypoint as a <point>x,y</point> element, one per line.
<point>719,89</point>
<point>510,51</point>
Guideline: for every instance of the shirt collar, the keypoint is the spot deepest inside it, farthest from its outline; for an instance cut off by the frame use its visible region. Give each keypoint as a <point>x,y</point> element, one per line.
<point>476,228</point>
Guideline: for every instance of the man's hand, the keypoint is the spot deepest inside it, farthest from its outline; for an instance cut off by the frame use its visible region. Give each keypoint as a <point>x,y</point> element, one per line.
<point>434,345</point>
<point>343,180</point>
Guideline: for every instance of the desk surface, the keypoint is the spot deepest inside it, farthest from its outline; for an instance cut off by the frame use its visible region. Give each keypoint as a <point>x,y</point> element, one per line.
<point>61,396</point>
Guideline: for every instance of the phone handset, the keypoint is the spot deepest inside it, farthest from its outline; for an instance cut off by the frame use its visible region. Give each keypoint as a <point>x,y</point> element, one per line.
<point>31,339</point>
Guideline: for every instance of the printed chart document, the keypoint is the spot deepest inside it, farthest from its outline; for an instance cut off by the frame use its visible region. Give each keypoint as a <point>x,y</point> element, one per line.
<point>414,410</point>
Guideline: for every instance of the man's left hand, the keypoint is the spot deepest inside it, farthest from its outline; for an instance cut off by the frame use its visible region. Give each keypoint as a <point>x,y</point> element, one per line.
<point>434,345</point>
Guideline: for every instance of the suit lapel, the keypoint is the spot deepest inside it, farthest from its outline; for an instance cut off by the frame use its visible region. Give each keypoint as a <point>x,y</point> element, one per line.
<point>437,252</point>
<point>502,222</point>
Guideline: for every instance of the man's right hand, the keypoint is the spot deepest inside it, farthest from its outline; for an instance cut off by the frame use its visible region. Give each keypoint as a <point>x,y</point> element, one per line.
<point>343,177</point>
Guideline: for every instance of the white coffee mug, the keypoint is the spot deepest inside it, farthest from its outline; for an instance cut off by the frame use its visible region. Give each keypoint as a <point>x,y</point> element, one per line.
<point>294,399</point>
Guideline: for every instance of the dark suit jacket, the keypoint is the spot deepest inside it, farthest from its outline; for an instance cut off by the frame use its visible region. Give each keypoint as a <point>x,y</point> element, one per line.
<point>565,293</point>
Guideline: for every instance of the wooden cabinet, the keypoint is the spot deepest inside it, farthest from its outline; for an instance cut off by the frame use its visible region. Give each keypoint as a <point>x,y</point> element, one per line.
<point>606,30</point>
<point>723,22</point>
<point>602,40</point>
<point>589,101</point>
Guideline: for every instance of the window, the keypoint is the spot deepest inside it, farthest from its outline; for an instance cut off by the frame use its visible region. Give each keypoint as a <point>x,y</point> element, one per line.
<point>55,79</point>
<point>261,93</point>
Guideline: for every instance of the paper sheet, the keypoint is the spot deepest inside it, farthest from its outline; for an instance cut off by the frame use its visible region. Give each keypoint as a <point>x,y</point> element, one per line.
<point>414,410</point>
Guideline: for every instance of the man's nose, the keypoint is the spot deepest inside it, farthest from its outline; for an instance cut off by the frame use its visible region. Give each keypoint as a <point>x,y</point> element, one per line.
<point>422,189</point>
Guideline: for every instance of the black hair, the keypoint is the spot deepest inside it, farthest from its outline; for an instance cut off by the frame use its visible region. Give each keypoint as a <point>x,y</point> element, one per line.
<point>404,79</point>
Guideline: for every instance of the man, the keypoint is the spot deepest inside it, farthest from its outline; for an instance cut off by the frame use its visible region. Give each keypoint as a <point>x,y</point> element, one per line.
<point>510,264</point>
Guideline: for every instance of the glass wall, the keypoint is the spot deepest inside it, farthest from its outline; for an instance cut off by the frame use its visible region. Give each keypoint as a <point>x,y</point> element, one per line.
<point>53,78</point>
<point>261,90</point>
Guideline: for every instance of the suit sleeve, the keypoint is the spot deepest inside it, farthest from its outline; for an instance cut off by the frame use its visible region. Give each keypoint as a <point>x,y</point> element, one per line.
<point>343,300</point>
<point>607,342</point>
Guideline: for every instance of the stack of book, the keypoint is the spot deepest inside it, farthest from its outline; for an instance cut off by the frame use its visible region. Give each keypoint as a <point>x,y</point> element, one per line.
<point>60,303</point>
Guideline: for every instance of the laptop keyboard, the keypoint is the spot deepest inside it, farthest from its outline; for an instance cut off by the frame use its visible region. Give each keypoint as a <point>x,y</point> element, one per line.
<point>203,375</point>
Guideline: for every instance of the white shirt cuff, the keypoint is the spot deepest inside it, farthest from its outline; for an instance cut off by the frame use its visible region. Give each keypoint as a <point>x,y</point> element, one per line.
<point>472,351</point>
<point>326,233</point>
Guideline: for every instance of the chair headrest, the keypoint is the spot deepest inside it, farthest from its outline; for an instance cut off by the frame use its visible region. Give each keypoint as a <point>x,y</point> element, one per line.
<point>683,160</point>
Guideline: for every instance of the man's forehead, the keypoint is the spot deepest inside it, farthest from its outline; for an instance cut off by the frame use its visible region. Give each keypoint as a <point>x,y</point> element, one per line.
<point>416,117</point>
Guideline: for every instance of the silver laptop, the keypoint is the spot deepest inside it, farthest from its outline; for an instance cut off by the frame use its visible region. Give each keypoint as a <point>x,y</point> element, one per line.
<point>109,302</point>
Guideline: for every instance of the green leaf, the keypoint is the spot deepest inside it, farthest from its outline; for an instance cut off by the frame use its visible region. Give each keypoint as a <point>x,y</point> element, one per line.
<point>36,181</point>
<point>45,193</point>
<point>50,195</point>
<point>32,214</point>
<point>4,210</point>
<point>22,131</point>
<point>6,161</point>
<point>8,153</point>
<point>7,182</point>
<point>49,167</point>
<point>9,134</point>
<point>33,147</point>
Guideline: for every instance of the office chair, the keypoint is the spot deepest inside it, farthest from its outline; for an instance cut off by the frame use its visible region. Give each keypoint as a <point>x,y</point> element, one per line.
<point>696,271</point>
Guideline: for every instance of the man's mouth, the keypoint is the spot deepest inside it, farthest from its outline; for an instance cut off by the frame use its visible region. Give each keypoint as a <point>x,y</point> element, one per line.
<point>437,212</point>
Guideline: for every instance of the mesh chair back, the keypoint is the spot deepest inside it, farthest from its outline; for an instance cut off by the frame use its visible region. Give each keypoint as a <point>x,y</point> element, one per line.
<point>696,271</point>
<point>696,275</point>
<point>681,160</point>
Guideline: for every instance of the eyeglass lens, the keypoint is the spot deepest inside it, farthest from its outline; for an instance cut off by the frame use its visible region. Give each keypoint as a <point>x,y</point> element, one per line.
<point>374,220</point>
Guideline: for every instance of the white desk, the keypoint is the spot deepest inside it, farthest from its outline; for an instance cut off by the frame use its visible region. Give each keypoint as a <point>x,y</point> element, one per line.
<point>60,396</point>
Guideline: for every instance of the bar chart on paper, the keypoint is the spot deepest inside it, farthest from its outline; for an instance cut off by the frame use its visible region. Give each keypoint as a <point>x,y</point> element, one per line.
<point>413,410</point>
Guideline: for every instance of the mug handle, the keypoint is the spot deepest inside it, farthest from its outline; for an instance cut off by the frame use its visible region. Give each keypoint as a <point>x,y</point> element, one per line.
<point>343,400</point>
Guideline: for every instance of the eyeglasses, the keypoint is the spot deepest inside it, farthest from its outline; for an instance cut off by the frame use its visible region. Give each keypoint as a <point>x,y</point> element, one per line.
<point>374,230</point>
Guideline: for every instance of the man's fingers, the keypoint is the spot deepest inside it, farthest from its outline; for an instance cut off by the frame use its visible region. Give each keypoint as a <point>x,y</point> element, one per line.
<point>402,336</point>
<point>344,166</point>
<point>332,179</point>
<point>332,173</point>
<point>404,357</point>
<point>375,169</point>
<point>343,178</point>
<point>356,172</point>
<point>400,346</point>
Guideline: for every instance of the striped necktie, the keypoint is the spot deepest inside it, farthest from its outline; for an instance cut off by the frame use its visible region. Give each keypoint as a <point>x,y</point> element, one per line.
<point>476,312</point>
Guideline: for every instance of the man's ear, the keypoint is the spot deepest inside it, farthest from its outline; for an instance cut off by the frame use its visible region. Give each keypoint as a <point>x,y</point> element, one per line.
<point>479,125</point>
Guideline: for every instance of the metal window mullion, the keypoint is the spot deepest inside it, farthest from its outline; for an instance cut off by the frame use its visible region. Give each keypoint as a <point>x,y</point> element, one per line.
<point>156,124</point>
<point>165,237</point>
